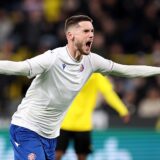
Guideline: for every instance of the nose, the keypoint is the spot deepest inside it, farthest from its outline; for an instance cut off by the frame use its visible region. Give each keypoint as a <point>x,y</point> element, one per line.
<point>91,35</point>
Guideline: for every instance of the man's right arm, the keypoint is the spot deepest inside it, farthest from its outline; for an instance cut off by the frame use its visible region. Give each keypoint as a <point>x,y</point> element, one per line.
<point>30,67</point>
<point>14,68</point>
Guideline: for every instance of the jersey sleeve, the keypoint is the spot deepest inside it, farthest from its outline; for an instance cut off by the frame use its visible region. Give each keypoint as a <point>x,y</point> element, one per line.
<point>100,64</point>
<point>40,63</point>
<point>14,68</point>
<point>131,71</point>
<point>105,66</point>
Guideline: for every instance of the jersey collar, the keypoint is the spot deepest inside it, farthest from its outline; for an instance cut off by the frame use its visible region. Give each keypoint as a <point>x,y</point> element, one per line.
<point>71,56</point>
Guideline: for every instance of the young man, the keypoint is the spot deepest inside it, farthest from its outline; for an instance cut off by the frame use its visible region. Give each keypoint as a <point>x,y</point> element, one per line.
<point>77,124</point>
<point>59,76</point>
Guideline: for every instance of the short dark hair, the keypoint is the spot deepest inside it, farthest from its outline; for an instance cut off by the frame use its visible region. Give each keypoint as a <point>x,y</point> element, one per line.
<point>73,20</point>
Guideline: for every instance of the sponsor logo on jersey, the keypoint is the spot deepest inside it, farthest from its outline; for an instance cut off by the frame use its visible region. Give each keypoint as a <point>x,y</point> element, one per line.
<point>32,156</point>
<point>81,68</point>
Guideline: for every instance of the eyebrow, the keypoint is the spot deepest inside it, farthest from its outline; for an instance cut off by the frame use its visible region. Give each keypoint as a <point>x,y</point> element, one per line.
<point>89,29</point>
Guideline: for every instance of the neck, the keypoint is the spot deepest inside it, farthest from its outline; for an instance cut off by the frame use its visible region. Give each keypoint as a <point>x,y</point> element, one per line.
<point>74,53</point>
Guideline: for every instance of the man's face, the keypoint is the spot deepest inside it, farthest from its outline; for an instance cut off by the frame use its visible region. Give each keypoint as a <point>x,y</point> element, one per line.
<point>83,35</point>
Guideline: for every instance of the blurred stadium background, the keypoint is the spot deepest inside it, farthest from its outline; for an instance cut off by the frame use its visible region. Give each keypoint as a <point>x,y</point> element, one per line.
<point>125,31</point>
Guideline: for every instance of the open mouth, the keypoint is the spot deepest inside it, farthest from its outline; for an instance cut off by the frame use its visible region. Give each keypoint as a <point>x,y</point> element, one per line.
<point>88,44</point>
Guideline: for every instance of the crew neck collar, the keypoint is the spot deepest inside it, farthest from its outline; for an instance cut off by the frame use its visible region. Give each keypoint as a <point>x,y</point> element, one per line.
<point>71,55</point>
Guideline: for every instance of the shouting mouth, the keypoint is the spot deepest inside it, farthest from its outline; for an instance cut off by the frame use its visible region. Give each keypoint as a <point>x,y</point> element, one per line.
<point>88,44</point>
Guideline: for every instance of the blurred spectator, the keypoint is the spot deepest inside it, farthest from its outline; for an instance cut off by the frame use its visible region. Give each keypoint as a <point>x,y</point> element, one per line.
<point>7,49</point>
<point>99,44</point>
<point>115,51</point>
<point>47,42</point>
<point>32,5</point>
<point>156,53</point>
<point>33,29</point>
<point>6,26</point>
<point>52,10</point>
<point>129,98</point>
<point>149,107</point>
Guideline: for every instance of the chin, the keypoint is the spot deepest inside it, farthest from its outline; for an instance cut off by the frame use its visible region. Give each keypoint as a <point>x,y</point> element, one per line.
<point>86,53</point>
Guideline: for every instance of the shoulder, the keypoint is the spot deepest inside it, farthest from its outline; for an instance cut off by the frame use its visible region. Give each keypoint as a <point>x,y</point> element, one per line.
<point>95,57</point>
<point>91,55</point>
<point>59,50</point>
<point>53,54</point>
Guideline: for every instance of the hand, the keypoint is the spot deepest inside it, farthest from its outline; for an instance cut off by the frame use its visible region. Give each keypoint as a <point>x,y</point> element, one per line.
<point>126,118</point>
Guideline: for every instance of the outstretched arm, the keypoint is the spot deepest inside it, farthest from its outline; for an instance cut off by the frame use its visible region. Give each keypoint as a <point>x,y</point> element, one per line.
<point>132,71</point>
<point>105,66</point>
<point>14,68</point>
<point>30,67</point>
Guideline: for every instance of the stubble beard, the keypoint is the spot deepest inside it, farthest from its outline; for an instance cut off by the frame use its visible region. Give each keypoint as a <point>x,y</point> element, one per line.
<point>79,47</point>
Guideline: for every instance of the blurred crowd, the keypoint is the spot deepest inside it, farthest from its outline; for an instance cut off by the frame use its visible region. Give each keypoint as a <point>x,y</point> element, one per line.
<point>125,31</point>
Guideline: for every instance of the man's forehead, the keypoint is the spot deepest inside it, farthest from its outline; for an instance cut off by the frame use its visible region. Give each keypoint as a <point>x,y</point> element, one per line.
<point>85,24</point>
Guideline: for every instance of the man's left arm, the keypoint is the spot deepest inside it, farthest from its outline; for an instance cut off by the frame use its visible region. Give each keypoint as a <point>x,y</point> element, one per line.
<point>108,67</point>
<point>132,71</point>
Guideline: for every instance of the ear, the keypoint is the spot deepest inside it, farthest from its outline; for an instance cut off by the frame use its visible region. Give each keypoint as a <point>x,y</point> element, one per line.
<point>70,35</point>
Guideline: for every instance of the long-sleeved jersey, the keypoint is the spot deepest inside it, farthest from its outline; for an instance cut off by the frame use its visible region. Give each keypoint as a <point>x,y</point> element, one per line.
<point>58,79</point>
